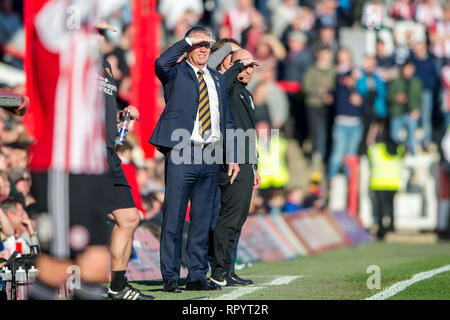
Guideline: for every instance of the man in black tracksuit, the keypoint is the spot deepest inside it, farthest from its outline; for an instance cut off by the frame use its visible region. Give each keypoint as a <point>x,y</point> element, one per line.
<point>236,197</point>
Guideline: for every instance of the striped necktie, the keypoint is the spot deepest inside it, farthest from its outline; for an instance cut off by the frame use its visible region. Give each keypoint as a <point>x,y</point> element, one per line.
<point>204,112</point>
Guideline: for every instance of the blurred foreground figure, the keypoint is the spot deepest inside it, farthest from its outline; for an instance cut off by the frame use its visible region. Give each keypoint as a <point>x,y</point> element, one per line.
<point>120,204</point>
<point>69,159</point>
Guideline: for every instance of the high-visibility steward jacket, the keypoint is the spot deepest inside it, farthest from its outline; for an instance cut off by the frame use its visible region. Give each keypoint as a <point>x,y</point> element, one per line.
<point>272,166</point>
<point>385,169</point>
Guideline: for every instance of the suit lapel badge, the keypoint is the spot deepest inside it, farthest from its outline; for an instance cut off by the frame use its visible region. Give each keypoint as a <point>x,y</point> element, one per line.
<point>217,81</point>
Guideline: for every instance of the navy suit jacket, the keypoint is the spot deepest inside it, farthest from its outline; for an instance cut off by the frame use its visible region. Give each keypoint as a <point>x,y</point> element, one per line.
<point>181,94</point>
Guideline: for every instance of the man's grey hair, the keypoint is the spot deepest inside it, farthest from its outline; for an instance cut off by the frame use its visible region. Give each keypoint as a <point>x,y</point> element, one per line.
<point>196,29</point>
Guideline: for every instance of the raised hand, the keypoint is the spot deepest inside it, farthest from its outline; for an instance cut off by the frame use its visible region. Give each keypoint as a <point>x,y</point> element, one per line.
<point>249,62</point>
<point>103,25</point>
<point>134,112</point>
<point>198,38</point>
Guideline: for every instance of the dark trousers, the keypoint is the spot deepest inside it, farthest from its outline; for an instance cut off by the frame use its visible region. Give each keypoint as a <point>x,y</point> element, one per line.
<point>184,182</point>
<point>235,203</point>
<point>383,206</point>
<point>318,125</point>
<point>211,236</point>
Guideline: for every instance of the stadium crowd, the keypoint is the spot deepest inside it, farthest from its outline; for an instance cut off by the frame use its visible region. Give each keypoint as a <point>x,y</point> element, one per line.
<point>327,99</point>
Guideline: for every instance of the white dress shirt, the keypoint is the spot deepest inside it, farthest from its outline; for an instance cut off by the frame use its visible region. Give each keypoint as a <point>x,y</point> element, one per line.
<point>214,109</point>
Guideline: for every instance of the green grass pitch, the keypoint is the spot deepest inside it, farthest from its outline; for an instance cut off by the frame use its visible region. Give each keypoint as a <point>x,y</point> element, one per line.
<point>338,275</point>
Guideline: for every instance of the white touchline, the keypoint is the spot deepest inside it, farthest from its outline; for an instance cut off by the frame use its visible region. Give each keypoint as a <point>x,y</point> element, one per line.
<point>282,280</point>
<point>396,288</point>
<point>246,290</point>
<point>237,293</point>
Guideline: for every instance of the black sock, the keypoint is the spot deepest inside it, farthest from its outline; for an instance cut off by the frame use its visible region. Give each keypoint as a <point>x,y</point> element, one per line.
<point>118,280</point>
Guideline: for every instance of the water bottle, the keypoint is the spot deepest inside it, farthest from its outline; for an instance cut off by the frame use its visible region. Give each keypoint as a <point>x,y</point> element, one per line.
<point>3,295</point>
<point>123,129</point>
<point>7,278</point>
<point>21,280</point>
<point>32,274</point>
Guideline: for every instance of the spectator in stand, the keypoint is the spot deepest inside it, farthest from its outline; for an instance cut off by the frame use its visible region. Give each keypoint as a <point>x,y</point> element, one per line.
<point>374,91</point>
<point>122,50</point>
<point>5,186</point>
<point>293,69</point>
<point>237,20</point>
<point>315,197</point>
<point>6,233</point>
<point>21,184</point>
<point>328,15</point>
<point>445,93</point>
<point>439,35</point>
<point>294,201</point>
<point>311,4</point>
<point>151,182</point>
<point>174,10</point>
<point>258,204</point>
<point>18,154</point>
<point>269,50</point>
<point>402,10</point>
<point>405,104</point>
<point>23,227</point>
<point>304,22</point>
<point>264,7</point>
<point>348,112</point>
<point>269,97</point>
<point>429,12</point>
<point>406,34</point>
<point>252,36</point>
<point>386,67</point>
<point>152,205</point>
<point>283,15</point>
<point>319,84</point>
<point>374,15</point>
<point>426,72</point>
<point>327,39</point>
<point>298,59</point>
<point>276,202</point>
<point>11,35</point>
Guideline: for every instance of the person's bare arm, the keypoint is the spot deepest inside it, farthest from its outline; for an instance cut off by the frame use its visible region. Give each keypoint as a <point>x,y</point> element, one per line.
<point>277,47</point>
<point>5,226</point>
<point>26,221</point>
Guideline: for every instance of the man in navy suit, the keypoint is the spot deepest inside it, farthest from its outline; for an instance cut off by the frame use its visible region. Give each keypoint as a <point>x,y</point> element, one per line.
<point>197,107</point>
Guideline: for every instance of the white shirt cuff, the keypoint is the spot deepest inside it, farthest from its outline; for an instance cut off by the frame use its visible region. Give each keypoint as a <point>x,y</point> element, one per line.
<point>188,41</point>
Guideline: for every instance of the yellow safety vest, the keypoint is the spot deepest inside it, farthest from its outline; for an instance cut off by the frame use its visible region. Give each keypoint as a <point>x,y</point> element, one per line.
<point>272,166</point>
<point>385,169</point>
